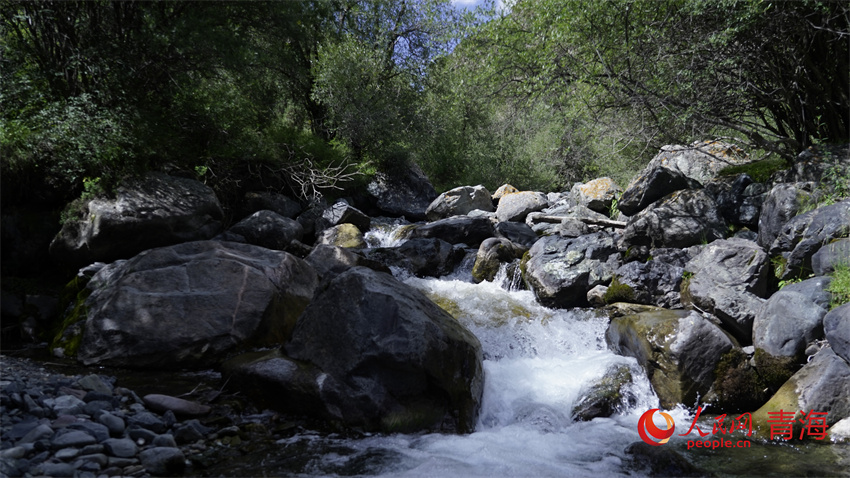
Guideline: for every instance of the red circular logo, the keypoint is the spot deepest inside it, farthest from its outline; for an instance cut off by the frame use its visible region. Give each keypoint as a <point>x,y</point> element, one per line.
<point>645,425</point>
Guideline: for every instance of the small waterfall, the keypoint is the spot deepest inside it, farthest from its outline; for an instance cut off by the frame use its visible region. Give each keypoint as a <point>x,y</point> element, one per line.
<point>385,232</point>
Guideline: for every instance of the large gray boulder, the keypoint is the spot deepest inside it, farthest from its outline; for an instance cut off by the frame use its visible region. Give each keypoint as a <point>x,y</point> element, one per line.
<point>561,270</point>
<point>822,386</point>
<point>653,282</point>
<point>682,219</point>
<point>516,232</point>
<point>515,207</point>
<point>267,229</point>
<point>190,304</point>
<point>597,195</point>
<point>422,257</point>
<point>836,253</point>
<point>459,201</point>
<point>737,206</point>
<point>649,186</point>
<point>395,360</point>
<point>781,204</point>
<point>729,279</point>
<point>801,237</point>
<point>405,191</point>
<point>792,318</point>
<point>836,328</point>
<point>678,349</point>
<point>156,210</point>
<point>702,160</point>
<point>455,230</point>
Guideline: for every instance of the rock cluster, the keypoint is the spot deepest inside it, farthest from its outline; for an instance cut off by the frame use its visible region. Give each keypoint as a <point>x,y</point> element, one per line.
<point>57,425</point>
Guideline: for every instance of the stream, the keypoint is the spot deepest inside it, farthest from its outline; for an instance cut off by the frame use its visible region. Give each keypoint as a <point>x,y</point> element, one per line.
<point>537,363</point>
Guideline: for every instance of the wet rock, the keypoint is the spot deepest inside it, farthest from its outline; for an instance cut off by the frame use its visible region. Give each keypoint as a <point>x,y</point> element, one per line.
<point>803,235</point>
<point>660,461</point>
<point>729,278</point>
<point>268,229</point>
<point>398,361</point>
<point>459,201</point>
<point>560,270</point>
<point>153,211</point>
<point>185,305</point>
<point>455,230</point>
<point>490,256</point>
<point>831,255</point>
<point>162,461</point>
<point>836,328</point>
<point>678,349</point>
<point>791,318</point>
<point>515,207</point>
<point>682,219</point>
<point>596,296</point>
<point>162,403</point>
<point>597,195</point>
<point>608,396</point>
<point>822,385</point>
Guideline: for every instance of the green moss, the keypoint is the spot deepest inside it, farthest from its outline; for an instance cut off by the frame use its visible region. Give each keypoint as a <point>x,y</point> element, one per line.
<point>774,371</point>
<point>618,292</point>
<point>737,386</point>
<point>760,171</point>
<point>839,288</point>
<point>69,333</point>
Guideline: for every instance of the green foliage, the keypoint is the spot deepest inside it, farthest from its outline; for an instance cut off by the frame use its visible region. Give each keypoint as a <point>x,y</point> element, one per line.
<point>759,171</point>
<point>840,286</point>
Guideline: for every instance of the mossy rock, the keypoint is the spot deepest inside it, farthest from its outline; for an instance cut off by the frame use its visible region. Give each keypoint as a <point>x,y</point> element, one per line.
<point>618,292</point>
<point>606,397</point>
<point>69,332</point>
<point>737,387</point>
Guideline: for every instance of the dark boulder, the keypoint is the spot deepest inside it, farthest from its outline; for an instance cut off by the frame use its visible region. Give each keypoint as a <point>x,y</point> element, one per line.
<point>267,229</point>
<point>490,256</point>
<point>650,186</point>
<point>153,211</point>
<point>269,201</point>
<point>422,257</point>
<point>781,204</point>
<point>455,230</point>
<point>397,361</point>
<point>682,219</point>
<point>729,279</point>
<point>561,270</point>
<point>792,318</point>
<point>836,328</point>
<point>652,282</point>
<point>803,235</point>
<point>678,349</point>
<point>836,253</point>
<point>343,213</point>
<point>405,191</point>
<point>188,305</point>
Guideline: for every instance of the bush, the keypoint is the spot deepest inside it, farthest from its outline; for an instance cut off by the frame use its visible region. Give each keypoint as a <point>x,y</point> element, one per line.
<point>840,286</point>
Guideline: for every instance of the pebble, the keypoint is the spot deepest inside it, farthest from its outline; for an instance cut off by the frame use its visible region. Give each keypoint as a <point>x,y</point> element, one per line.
<point>121,447</point>
<point>180,407</point>
<point>85,427</point>
<point>72,438</point>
